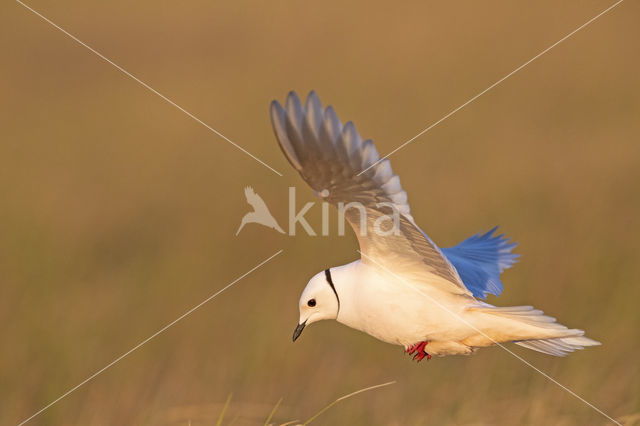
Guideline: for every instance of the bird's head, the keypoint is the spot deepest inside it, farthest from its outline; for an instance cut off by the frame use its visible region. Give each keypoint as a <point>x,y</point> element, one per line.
<point>319,301</point>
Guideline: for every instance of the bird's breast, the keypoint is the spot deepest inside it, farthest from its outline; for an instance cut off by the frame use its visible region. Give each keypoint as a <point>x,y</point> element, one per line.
<point>399,314</point>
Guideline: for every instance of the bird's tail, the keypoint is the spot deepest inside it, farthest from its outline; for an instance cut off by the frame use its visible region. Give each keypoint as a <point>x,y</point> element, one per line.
<point>530,328</point>
<point>559,346</point>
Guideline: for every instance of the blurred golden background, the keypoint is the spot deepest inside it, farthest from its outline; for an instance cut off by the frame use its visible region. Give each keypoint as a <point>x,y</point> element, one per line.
<point>118,212</point>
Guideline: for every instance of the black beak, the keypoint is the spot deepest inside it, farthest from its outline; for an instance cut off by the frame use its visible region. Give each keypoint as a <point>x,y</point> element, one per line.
<point>298,331</point>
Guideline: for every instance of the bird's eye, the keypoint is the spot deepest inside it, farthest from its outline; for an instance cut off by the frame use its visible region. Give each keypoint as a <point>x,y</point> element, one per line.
<point>311,302</point>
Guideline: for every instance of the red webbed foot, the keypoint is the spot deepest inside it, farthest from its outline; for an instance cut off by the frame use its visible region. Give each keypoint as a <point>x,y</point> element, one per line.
<point>419,351</point>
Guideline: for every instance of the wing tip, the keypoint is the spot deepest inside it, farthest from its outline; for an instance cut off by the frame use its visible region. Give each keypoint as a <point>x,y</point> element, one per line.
<point>279,125</point>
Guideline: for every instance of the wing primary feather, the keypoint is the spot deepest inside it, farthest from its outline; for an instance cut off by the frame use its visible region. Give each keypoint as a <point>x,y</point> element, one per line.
<point>314,114</point>
<point>295,111</point>
<point>332,124</point>
<point>279,123</point>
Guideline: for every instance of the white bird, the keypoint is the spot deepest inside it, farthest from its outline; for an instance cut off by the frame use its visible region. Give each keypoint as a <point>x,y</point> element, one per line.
<point>260,213</point>
<point>404,290</point>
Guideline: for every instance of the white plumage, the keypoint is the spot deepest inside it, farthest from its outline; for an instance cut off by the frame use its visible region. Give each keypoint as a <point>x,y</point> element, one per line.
<point>404,290</point>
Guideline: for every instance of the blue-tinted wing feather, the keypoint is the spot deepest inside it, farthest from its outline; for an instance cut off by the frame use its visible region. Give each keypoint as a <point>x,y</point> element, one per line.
<point>479,261</point>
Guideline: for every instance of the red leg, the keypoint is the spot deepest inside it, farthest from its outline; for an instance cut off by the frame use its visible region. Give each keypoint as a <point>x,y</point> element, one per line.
<point>411,349</point>
<point>419,351</point>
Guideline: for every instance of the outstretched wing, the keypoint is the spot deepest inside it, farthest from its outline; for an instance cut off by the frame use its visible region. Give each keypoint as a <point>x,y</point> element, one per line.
<point>330,158</point>
<point>480,259</point>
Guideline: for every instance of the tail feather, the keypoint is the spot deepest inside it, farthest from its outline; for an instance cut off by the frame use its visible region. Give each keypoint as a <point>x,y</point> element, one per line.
<point>526,314</point>
<point>558,347</point>
<point>530,328</point>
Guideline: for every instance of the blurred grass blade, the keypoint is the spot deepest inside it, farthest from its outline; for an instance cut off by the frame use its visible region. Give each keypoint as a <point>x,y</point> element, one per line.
<point>224,409</point>
<point>273,411</point>
<point>345,397</point>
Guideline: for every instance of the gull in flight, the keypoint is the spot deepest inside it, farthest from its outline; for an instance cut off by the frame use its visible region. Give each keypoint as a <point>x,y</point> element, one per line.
<point>260,213</point>
<point>404,289</point>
